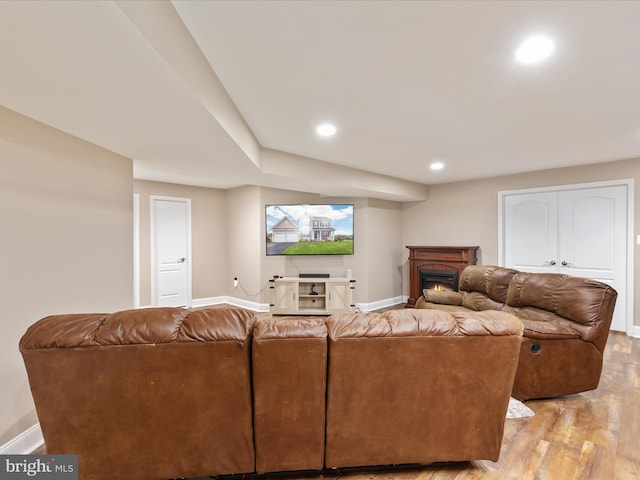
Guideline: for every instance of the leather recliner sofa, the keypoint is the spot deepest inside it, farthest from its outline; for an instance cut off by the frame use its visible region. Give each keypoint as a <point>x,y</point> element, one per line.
<point>165,393</point>
<point>566,323</point>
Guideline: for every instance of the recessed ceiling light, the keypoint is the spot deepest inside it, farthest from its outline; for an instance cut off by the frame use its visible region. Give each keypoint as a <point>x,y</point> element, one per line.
<point>326,130</point>
<point>437,165</point>
<point>535,49</point>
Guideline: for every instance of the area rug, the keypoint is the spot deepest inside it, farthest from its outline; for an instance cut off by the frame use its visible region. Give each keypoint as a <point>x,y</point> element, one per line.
<point>517,409</point>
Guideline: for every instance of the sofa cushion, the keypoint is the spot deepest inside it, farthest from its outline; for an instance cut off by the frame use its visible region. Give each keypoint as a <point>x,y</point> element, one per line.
<point>422,303</point>
<point>488,279</point>
<point>479,301</point>
<point>484,287</point>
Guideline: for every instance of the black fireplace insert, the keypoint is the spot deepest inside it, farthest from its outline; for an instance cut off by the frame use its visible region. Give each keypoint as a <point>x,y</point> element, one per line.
<point>439,280</point>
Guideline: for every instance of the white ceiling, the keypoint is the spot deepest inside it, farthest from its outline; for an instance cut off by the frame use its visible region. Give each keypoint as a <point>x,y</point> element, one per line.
<point>224,101</point>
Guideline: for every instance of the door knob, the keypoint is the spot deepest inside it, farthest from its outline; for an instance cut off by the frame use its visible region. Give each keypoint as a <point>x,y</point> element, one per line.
<point>552,262</point>
<point>181,260</point>
<point>567,264</point>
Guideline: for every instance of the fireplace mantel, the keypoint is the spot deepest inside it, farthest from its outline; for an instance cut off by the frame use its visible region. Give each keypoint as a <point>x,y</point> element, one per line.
<point>436,258</point>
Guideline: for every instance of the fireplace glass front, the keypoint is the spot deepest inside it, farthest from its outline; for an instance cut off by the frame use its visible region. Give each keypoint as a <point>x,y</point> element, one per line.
<point>439,280</point>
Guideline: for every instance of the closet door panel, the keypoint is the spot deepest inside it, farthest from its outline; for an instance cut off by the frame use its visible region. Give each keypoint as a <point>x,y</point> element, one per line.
<point>593,239</point>
<point>531,232</point>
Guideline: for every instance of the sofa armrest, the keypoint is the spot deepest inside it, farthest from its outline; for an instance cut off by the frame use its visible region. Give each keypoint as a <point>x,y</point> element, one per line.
<point>444,297</point>
<point>541,330</point>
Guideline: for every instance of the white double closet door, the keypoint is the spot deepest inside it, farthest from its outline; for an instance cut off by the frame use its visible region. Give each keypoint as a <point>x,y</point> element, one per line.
<point>577,230</point>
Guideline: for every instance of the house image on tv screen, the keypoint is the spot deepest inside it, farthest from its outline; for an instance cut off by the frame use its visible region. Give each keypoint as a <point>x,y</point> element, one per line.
<point>308,228</point>
<point>316,229</point>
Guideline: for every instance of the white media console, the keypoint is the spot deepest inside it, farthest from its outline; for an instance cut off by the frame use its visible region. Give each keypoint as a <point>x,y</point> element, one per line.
<point>312,296</point>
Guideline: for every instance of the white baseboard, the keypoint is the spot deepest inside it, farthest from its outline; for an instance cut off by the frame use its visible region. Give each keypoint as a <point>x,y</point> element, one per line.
<point>387,302</point>
<point>263,307</point>
<point>25,443</point>
<point>236,302</point>
<point>207,302</point>
<point>636,331</point>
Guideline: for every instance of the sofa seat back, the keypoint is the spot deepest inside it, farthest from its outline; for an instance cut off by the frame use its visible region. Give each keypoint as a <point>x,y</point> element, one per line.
<point>481,287</point>
<point>572,304</point>
<point>485,287</point>
<point>289,388</point>
<point>418,386</point>
<point>145,394</point>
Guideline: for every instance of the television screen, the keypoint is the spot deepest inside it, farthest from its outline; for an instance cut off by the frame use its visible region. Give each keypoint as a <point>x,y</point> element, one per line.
<point>309,229</point>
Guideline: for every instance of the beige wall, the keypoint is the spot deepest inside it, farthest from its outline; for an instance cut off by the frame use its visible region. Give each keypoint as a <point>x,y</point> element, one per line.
<point>66,238</point>
<point>382,235</point>
<point>208,242</point>
<point>466,213</point>
<point>243,238</point>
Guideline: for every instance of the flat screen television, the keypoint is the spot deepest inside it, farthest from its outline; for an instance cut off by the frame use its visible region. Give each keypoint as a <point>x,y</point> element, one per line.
<point>309,229</point>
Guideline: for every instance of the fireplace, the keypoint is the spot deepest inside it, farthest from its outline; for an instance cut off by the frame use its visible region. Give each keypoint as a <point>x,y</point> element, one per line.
<point>439,280</point>
<point>437,259</point>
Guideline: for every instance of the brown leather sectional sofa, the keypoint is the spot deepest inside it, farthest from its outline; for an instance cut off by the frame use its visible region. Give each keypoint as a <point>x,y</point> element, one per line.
<point>166,393</point>
<point>566,323</point>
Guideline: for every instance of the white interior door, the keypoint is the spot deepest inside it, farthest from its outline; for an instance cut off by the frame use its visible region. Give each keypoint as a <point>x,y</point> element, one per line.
<point>531,231</point>
<point>170,251</point>
<point>577,231</point>
<point>593,240</point>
